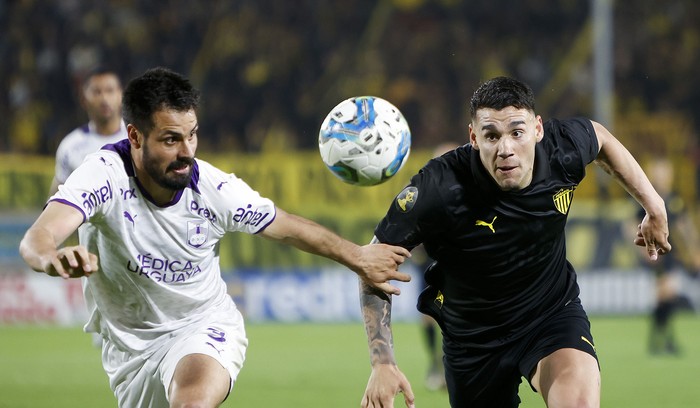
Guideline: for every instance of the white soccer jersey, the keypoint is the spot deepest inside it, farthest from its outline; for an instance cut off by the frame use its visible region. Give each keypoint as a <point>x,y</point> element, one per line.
<point>159,265</point>
<point>78,144</point>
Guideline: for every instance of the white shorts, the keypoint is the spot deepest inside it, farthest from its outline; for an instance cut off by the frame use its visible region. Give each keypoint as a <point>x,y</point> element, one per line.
<point>139,381</point>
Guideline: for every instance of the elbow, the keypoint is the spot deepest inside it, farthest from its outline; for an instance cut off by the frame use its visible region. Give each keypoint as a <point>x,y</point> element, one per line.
<point>28,253</point>
<point>25,253</point>
<point>24,249</point>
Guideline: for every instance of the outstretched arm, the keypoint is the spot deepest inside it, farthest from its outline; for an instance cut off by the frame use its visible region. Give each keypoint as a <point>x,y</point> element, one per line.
<point>617,161</point>
<point>386,380</point>
<point>40,246</point>
<point>376,264</point>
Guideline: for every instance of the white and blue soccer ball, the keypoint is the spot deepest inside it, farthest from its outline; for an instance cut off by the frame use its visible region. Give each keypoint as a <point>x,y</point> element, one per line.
<point>364,140</point>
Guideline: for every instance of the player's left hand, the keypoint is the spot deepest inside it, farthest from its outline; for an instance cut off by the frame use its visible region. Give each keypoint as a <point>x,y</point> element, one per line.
<point>385,382</point>
<point>652,233</point>
<point>71,262</point>
<point>379,263</point>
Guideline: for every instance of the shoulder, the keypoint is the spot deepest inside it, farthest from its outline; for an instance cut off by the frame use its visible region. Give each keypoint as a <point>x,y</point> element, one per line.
<point>450,173</point>
<point>211,180</point>
<point>449,167</point>
<point>104,162</point>
<point>577,127</point>
<point>561,136</point>
<point>443,180</point>
<point>430,201</point>
<point>210,177</point>
<point>74,138</point>
<point>99,174</point>
<point>79,132</point>
<point>237,206</point>
<point>207,169</point>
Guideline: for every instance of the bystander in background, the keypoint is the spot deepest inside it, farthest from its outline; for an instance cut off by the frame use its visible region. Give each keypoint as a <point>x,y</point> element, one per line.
<point>670,269</point>
<point>101,97</point>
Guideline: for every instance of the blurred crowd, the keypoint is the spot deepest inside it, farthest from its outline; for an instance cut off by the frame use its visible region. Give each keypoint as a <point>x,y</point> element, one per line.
<point>270,70</point>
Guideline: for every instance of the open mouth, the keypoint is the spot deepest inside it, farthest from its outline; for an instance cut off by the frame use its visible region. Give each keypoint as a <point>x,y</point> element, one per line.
<point>506,169</point>
<point>179,168</point>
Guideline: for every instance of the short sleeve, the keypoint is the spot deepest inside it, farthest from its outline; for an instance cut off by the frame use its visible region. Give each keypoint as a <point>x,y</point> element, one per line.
<point>91,187</point>
<point>410,214</point>
<point>581,133</point>
<point>244,209</point>
<point>571,145</point>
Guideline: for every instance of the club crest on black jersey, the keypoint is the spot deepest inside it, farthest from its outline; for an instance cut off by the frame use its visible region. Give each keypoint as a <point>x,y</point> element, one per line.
<point>407,199</point>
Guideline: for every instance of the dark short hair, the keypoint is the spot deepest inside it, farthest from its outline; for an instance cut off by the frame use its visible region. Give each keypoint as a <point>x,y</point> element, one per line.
<point>157,89</point>
<point>501,92</point>
<point>98,71</point>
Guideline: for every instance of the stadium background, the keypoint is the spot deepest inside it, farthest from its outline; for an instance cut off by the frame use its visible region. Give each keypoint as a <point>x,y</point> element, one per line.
<point>269,71</point>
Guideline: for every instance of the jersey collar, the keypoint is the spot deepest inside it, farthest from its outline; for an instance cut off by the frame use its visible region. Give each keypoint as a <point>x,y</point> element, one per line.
<point>123,149</point>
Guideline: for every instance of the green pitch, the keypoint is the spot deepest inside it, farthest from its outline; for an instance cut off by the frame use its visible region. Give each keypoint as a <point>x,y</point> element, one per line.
<point>327,366</point>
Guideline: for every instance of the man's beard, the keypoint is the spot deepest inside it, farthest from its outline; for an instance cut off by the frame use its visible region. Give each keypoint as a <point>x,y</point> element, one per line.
<point>168,180</point>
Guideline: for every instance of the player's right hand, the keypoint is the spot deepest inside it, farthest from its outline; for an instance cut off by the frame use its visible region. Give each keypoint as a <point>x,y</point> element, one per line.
<point>385,382</point>
<point>653,234</point>
<point>71,262</point>
<point>379,263</point>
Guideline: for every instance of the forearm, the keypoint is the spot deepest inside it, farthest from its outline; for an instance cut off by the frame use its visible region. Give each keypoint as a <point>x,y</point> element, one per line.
<point>377,264</point>
<point>37,246</point>
<point>318,240</point>
<point>376,312</point>
<point>617,161</point>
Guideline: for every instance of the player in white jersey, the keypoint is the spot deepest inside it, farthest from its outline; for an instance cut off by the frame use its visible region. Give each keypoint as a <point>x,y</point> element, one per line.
<point>101,97</point>
<point>150,216</point>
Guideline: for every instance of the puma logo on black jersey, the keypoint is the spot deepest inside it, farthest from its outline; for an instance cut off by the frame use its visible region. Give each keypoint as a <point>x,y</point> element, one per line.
<point>481,223</point>
<point>589,342</point>
<point>439,299</point>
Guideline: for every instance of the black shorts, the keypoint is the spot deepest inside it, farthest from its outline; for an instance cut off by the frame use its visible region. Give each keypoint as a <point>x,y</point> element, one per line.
<point>491,377</point>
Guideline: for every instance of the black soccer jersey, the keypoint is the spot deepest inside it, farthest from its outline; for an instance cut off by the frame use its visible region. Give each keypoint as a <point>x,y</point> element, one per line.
<point>500,255</point>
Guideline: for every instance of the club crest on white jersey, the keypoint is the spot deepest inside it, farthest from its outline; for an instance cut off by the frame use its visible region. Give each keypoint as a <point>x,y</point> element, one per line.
<point>197,233</point>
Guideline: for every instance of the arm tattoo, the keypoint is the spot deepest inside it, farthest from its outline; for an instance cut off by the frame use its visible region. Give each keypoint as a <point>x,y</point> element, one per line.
<point>376,310</point>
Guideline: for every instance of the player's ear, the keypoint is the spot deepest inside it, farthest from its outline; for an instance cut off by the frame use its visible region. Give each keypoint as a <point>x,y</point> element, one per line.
<point>539,128</point>
<point>135,137</point>
<point>472,138</point>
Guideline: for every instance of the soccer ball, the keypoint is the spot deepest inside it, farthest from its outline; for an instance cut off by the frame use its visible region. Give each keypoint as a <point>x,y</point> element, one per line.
<point>364,140</point>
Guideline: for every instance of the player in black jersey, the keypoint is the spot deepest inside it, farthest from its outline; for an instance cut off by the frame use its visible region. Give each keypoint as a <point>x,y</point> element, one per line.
<point>492,214</point>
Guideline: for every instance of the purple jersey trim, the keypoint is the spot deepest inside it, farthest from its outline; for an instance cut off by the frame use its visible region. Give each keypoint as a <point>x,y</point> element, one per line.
<point>194,181</point>
<point>66,202</point>
<point>268,223</point>
<point>123,149</point>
